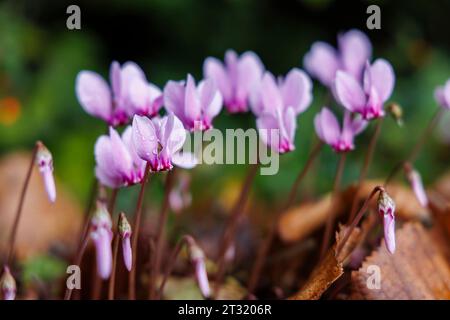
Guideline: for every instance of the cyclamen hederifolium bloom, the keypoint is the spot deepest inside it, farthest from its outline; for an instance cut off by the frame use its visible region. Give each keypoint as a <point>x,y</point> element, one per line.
<point>101,234</point>
<point>44,161</point>
<point>328,130</point>
<point>235,78</point>
<point>367,98</point>
<point>159,141</point>
<point>129,94</point>
<point>323,61</point>
<point>117,163</point>
<point>276,106</point>
<point>386,209</point>
<point>195,106</point>
<point>442,95</point>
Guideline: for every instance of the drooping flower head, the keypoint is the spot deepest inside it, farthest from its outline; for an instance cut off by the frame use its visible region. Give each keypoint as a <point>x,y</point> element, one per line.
<point>197,258</point>
<point>117,163</point>
<point>367,98</point>
<point>159,140</point>
<point>113,105</point>
<point>276,105</point>
<point>44,161</point>
<point>101,234</point>
<point>125,234</point>
<point>323,61</point>
<point>7,285</point>
<point>328,130</point>
<point>235,78</point>
<point>195,106</point>
<point>442,95</point>
<point>386,209</point>
<point>415,180</point>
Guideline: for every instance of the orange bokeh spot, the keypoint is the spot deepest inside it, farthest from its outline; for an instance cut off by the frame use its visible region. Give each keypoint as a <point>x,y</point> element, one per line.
<point>9,110</point>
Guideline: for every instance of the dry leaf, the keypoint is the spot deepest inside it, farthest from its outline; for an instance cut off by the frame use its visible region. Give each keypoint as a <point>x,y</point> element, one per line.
<point>417,270</point>
<point>42,224</point>
<point>330,269</point>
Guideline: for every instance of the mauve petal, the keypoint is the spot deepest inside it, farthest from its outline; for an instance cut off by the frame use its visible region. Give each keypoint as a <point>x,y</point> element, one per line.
<point>127,253</point>
<point>177,135</point>
<point>202,278</point>
<point>322,62</point>
<point>214,69</point>
<point>102,240</point>
<point>93,94</point>
<point>174,93</point>
<point>297,90</point>
<point>269,131</point>
<point>192,106</point>
<point>49,184</point>
<point>355,49</point>
<point>122,161</point>
<point>211,99</point>
<point>231,63</point>
<point>256,105</point>
<point>115,78</point>
<point>349,92</point>
<point>329,126</point>
<point>447,93</point>
<point>139,97</point>
<point>270,94</point>
<point>439,96</point>
<point>250,70</point>
<point>103,175</point>
<point>389,232</point>
<point>290,123</point>
<point>185,160</point>
<point>103,152</point>
<point>130,71</point>
<point>127,138</point>
<point>380,75</point>
<point>416,183</point>
<point>144,138</point>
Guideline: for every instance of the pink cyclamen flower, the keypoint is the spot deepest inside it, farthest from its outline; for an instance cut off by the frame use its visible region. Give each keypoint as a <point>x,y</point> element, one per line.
<point>7,285</point>
<point>235,78</point>
<point>323,61</point>
<point>117,163</point>
<point>386,209</point>
<point>328,130</point>
<point>368,98</point>
<point>101,234</point>
<point>95,96</point>
<point>276,106</point>
<point>146,98</point>
<point>442,95</point>
<point>159,140</point>
<point>415,181</point>
<point>44,161</point>
<point>197,258</point>
<point>125,234</point>
<point>195,106</point>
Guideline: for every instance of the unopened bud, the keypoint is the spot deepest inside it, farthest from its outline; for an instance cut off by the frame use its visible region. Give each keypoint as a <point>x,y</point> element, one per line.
<point>7,285</point>
<point>197,258</point>
<point>415,181</point>
<point>386,208</point>
<point>125,234</point>
<point>101,234</point>
<point>44,161</point>
<point>396,112</point>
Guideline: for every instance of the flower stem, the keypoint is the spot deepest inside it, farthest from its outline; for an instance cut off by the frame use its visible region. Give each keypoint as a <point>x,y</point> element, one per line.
<point>236,212</point>
<point>331,214</point>
<point>135,235</point>
<point>418,146</point>
<point>264,249</point>
<point>159,242</point>
<point>112,279</point>
<point>176,251</point>
<point>365,168</point>
<point>356,220</point>
<point>13,235</point>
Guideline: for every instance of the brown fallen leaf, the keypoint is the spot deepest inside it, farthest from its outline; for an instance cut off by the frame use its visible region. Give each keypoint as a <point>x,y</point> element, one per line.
<point>417,270</point>
<point>301,221</point>
<point>42,224</point>
<point>330,269</point>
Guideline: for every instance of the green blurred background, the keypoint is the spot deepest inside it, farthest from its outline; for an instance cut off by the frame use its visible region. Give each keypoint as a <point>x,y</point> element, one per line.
<point>40,57</point>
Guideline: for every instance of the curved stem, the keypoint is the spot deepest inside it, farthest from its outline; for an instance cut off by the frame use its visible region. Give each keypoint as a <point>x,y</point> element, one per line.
<point>135,235</point>
<point>264,249</point>
<point>365,167</point>
<point>330,218</point>
<point>159,242</point>
<point>13,235</point>
<point>112,279</point>
<point>230,229</point>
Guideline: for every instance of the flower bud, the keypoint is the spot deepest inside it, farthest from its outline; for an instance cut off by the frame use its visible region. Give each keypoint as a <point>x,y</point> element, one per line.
<point>44,161</point>
<point>102,235</point>
<point>396,113</point>
<point>197,258</point>
<point>7,285</point>
<point>386,208</point>
<point>125,234</point>
<point>415,181</point>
